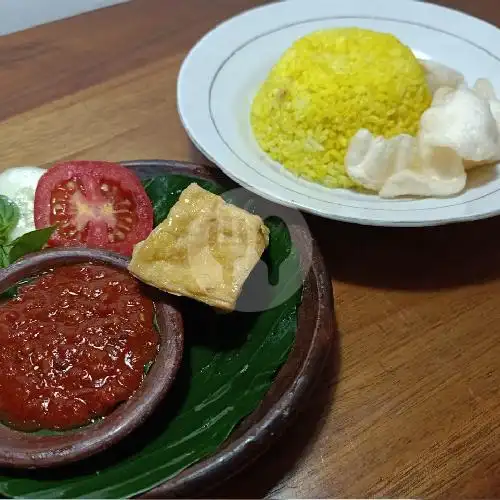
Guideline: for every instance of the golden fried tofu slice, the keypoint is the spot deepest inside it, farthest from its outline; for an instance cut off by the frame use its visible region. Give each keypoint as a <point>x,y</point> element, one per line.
<point>205,249</point>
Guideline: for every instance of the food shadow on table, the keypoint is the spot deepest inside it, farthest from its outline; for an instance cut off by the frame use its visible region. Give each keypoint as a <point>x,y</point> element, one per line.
<point>416,258</point>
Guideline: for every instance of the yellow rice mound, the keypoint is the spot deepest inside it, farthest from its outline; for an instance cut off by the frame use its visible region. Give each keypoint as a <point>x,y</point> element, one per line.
<point>326,87</point>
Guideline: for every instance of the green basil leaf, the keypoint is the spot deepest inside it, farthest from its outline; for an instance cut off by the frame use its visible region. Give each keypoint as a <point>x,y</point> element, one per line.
<point>11,292</point>
<point>30,242</point>
<point>147,367</point>
<point>156,326</point>
<point>9,217</point>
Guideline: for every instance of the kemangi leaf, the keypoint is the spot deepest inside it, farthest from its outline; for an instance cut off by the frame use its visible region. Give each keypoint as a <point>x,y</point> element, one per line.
<point>27,243</point>
<point>9,216</point>
<point>30,242</point>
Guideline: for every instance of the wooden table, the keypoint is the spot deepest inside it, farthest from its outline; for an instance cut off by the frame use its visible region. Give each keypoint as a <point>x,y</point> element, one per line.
<point>410,403</point>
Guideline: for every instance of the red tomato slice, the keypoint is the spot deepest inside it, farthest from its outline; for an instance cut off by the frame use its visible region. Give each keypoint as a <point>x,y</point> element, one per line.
<point>93,203</point>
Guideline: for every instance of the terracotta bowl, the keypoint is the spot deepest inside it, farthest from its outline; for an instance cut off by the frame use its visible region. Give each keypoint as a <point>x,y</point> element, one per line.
<point>29,450</point>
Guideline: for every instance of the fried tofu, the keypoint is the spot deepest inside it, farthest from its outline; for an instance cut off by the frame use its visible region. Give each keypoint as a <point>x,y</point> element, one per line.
<point>205,249</point>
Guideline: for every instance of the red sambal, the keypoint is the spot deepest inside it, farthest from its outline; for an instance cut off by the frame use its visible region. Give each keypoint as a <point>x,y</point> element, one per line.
<point>74,343</point>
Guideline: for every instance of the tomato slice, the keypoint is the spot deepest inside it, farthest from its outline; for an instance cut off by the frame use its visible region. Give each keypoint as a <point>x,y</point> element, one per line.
<point>95,204</point>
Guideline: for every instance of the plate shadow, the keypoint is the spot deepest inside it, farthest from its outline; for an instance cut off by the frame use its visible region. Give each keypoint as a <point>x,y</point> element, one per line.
<point>417,258</point>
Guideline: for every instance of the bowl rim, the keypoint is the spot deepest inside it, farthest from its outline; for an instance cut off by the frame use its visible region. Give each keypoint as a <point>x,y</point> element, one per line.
<point>31,450</point>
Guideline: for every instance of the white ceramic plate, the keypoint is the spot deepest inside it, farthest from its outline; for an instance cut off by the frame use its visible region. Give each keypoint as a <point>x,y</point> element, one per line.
<point>222,73</point>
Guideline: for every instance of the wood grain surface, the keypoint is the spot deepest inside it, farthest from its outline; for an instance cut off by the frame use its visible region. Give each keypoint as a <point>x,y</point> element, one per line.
<point>410,403</point>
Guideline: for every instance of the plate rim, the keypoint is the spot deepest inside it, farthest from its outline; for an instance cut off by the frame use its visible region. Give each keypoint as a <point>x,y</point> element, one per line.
<point>285,195</point>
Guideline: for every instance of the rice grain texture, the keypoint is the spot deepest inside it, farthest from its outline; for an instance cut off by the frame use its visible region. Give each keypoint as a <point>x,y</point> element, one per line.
<point>327,86</point>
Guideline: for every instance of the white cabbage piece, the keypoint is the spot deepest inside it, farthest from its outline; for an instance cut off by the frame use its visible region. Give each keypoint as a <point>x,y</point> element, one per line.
<point>403,166</point>
<point>19,185</point>
<point>438,75</point>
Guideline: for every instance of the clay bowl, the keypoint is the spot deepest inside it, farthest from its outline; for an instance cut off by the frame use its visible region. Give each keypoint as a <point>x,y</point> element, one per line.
<point>29,450</point>
<point>293,385</point>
